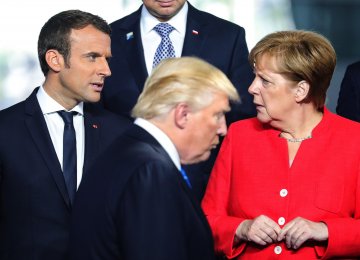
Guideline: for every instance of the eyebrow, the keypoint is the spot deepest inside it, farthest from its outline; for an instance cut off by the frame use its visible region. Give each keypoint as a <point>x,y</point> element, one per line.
<point>96,54</point>
<point>262,75</point>
<point>225,110</point>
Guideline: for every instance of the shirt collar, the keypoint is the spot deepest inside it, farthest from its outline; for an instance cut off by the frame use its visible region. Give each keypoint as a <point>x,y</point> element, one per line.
<point>162,138</point>
<point>48,105</point>
<point>148,22</point>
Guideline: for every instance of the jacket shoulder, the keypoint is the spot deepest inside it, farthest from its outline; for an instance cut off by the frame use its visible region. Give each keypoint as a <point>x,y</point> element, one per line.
<point>126,21</point>
<point>213,20</point>
<point>13,112</point>
<point>353,68</point>
<point>106,116</point>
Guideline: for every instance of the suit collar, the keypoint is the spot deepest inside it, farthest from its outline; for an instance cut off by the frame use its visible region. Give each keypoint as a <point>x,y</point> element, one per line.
<point>36,125</point>
<point>49,105</point>
<point>196,33</point>
<point>162,138</point>
<point>148,21</point>
<point>139,133</point>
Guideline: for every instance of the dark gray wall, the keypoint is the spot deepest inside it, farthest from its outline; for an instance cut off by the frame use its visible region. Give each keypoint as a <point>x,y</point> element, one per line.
<point>339,21</point>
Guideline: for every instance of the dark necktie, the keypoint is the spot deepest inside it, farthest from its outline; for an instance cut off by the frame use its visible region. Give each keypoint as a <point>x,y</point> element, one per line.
<point>165,49</point>
<point>69,153</point>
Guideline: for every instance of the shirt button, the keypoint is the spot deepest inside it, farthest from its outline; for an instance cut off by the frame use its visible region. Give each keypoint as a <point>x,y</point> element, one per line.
<point>277,250</point>
<point>281,221</point>
<point>283,193</point>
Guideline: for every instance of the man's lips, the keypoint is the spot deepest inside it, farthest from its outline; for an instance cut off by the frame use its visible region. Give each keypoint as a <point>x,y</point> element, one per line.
<point>97,86</point>
<point>165,3</point>
<point>213,146</point>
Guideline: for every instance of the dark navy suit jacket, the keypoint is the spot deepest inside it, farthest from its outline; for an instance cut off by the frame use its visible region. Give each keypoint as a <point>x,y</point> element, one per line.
<point>135,205</point>
<point>219,42</point>
<point>34,204</point>
<point>349,97</point>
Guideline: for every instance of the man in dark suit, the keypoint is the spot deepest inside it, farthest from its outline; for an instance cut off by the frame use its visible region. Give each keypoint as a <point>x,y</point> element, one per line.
<point>348,104</point>
<point>196,33</point>
<point>136,202</point>
<point>36,200</point>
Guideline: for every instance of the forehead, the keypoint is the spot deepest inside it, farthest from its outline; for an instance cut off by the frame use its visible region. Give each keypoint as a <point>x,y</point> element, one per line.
<point>89,35</point>
<point>220,102</point>
<point>267,62</point>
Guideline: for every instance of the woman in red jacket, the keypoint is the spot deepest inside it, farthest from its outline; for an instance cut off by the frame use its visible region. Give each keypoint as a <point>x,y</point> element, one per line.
<point>286,184</point>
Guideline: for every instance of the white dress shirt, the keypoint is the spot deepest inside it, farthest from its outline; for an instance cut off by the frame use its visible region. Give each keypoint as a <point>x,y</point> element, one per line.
<point>151,39</point>
<point>55,125</point>
<point>162,138</point>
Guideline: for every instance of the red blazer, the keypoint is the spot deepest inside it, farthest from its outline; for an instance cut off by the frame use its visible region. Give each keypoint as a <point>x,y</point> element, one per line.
<point>252,176</point>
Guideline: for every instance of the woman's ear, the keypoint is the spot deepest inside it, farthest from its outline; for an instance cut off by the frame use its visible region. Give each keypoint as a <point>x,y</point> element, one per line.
<point>302,90</point>
<point>54,60</point>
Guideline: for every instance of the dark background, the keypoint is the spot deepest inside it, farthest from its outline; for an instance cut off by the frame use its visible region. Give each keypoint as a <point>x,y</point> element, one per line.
<point>339,21</point>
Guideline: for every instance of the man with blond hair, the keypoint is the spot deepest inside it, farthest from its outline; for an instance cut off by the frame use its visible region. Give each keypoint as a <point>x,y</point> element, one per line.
<point>136,202</point>
<point>137,40</point>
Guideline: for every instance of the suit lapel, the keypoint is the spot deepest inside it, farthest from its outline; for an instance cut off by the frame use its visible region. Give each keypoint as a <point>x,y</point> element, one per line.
<point>196,205</point>
<point>196,32</point>
<point>134,49</point>
<point>92,128</point>
<point>37,127</point>
<point>142,135</point>
<point>139,133</point>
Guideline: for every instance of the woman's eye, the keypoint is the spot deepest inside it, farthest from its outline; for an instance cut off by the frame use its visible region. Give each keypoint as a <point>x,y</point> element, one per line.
<point>264,82</point>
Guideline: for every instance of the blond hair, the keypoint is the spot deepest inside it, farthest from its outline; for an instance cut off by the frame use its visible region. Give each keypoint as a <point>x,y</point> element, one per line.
<point>300,55</point>
<point>187,79</point>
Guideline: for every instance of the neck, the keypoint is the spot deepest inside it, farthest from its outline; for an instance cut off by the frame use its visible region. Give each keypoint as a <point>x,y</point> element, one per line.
<point>56,92</point>
<point>294,140</point>
<point>301,127</point>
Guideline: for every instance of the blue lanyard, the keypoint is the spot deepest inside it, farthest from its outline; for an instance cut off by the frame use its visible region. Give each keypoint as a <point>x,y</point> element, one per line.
<point>185,177</point>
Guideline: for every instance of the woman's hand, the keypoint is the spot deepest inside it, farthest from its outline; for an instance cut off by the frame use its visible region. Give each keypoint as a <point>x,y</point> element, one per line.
<point>299,230</point>
<point>261,230</point>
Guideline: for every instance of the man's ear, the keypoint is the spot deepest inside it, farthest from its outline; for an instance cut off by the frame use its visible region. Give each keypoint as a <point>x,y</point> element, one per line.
<point>54,59</point>
<point>181,115</point>
<point>302,91</point>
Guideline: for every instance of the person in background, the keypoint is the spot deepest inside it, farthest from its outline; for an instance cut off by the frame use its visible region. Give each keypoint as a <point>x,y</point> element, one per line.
<point>51,138</point>
<point>136,202</point>
<point>137,44</point>
<point>348,104</point>
<point>286,184</point>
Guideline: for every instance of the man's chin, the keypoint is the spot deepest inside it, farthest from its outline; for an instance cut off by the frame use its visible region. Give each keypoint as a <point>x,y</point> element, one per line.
<point>93,98</point>
<point>197,159</point>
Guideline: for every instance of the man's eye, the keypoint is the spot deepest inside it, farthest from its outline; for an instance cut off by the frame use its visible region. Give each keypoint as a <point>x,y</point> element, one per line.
<point>92,57</point>
<point>219,116</point>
